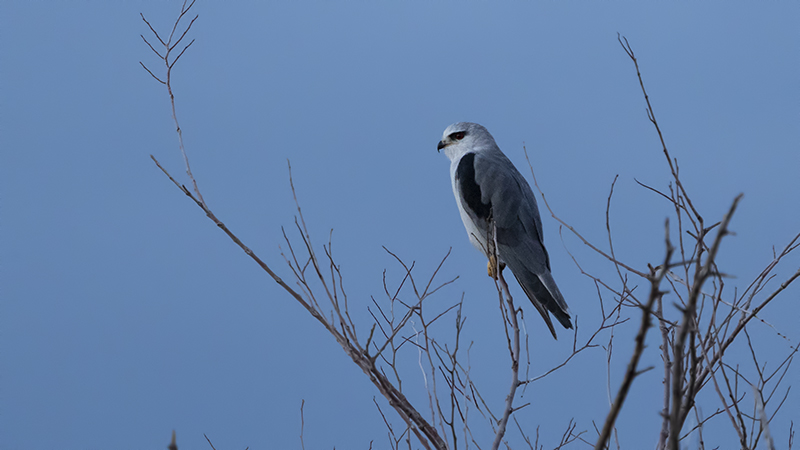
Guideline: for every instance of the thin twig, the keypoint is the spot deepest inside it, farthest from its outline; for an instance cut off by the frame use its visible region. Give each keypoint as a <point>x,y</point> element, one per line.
<point>631,373</point>
<point>302,424</point>
<point>573,230</point>
<point>514,346</point>
<point>515,352</point>
<point>425,433</point>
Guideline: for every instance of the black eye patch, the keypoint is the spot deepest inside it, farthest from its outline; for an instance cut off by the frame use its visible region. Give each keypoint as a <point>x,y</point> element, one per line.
<point>458,135</point>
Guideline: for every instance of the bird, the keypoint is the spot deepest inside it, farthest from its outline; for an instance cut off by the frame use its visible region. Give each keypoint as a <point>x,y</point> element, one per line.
<point>497,205</point>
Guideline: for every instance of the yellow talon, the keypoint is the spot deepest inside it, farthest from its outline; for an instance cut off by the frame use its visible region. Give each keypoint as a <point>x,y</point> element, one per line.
<point>491,267</point>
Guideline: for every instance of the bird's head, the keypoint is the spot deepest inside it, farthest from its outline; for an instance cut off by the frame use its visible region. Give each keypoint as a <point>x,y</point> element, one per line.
<point>463,137</point>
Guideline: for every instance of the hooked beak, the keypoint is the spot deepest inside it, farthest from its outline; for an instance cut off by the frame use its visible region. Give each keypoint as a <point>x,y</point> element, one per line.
<point>440,146</point>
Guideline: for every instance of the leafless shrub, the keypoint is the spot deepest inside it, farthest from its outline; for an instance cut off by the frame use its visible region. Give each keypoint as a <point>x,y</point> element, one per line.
<point>693,341</point>
<point>708,323</point>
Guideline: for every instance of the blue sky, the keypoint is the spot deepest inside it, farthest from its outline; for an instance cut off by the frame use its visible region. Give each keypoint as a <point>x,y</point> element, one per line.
<point>126,314</point>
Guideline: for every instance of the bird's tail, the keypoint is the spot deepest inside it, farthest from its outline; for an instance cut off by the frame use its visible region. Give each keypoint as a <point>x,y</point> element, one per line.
<point>545,296</point>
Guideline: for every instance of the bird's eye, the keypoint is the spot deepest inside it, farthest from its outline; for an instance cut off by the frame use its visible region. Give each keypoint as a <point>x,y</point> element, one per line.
<point>458,135</point>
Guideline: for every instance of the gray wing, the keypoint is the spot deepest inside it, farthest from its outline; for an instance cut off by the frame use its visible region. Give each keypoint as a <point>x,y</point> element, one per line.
<point>519,233</point>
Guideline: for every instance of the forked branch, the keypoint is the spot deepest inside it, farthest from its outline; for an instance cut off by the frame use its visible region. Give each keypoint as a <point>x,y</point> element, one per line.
<point>656,276</point>
<point>426,433</point>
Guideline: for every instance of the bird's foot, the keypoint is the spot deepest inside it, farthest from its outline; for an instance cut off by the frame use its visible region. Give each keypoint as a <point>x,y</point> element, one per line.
<point>492,267</point>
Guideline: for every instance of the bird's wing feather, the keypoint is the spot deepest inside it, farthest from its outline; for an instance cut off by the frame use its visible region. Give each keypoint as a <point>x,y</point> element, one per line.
<point>519,232</point>
<point>514,209</point>
<point>471,192</point>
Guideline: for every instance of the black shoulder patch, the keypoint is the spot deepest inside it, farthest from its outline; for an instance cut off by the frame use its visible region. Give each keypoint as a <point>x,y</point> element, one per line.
<point>470,191</point>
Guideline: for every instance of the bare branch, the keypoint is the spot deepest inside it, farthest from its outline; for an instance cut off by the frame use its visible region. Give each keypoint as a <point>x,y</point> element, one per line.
<point>515,351</point>
<point>570,228</point>
<point>151,47</point>
<point>665,356</point>
<point>151,74</point>
<point>680,409</point>
<point>652,116</point>
<point>762,415</point>
<point>209,442</point>
<point>514,346</point>
<point>425,433</point>
<point>302,424</point>
<point>631,372</point>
